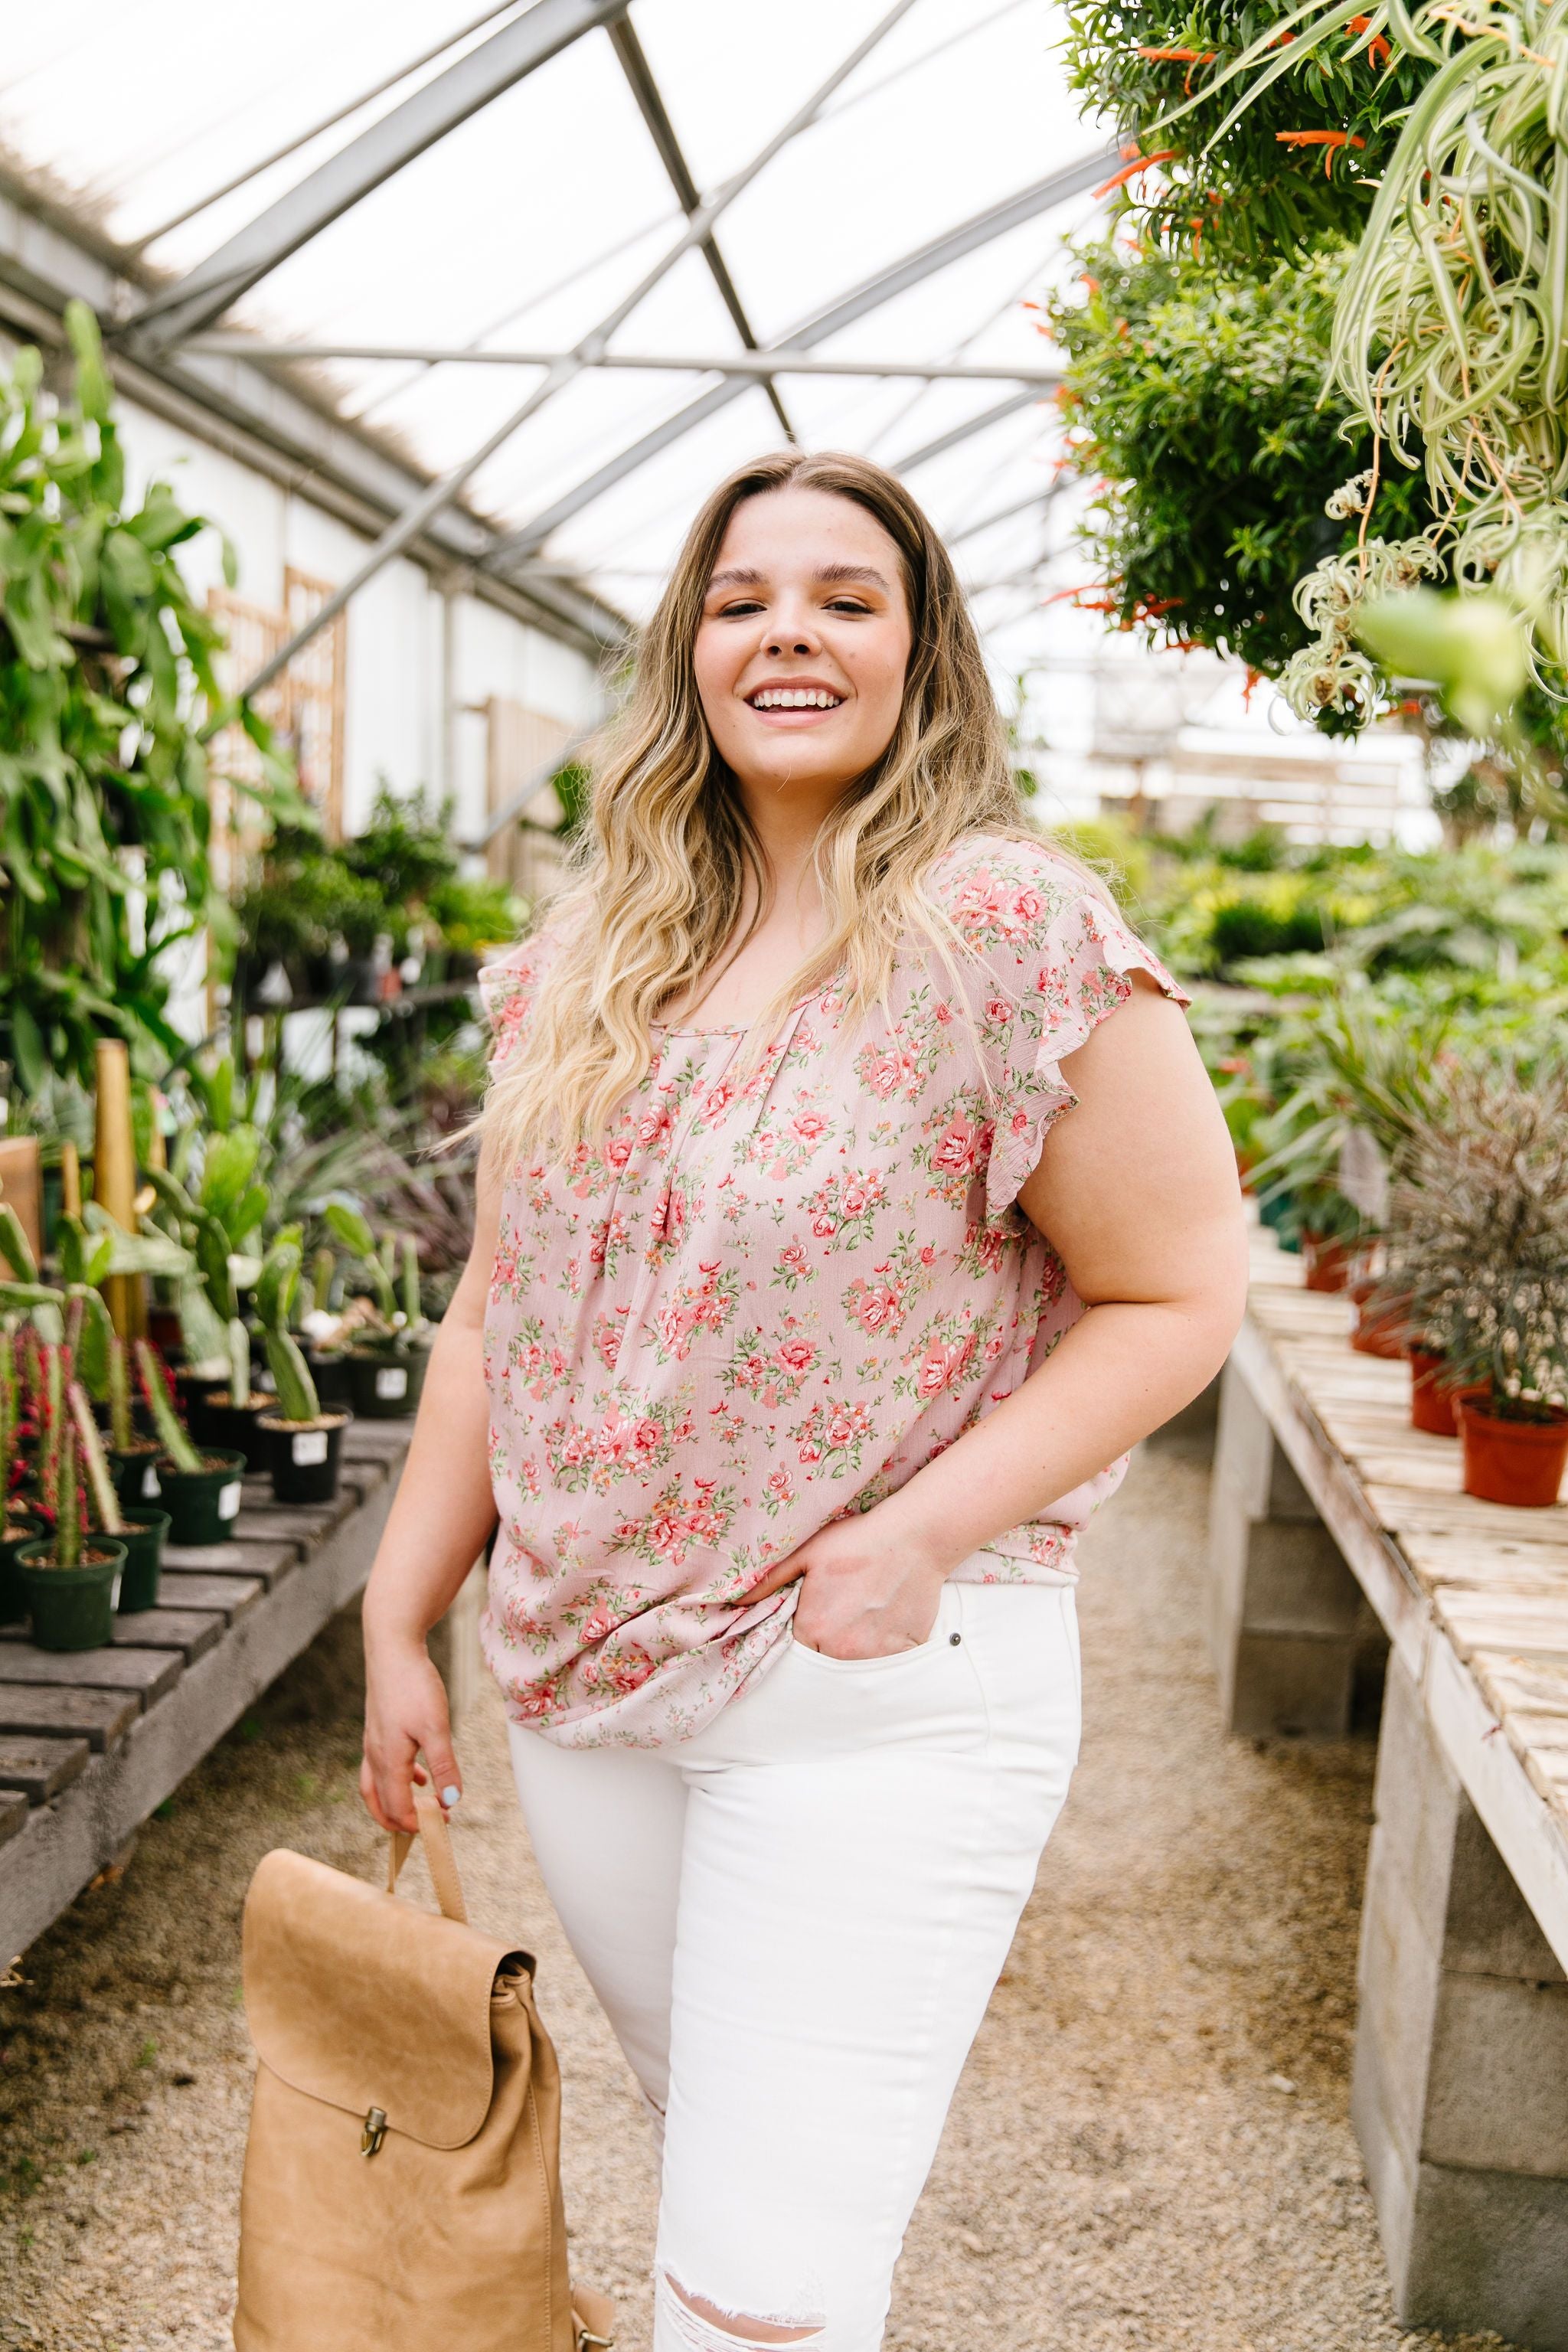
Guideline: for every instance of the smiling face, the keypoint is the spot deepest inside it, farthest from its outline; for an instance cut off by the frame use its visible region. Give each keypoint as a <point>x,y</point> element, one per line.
<point>804,643</point>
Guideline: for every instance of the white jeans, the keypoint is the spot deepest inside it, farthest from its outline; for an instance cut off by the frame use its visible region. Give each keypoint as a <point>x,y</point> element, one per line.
<point>793,1921</point>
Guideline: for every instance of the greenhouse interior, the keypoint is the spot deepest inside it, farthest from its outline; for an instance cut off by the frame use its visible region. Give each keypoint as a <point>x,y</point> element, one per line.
<point>433,437</point>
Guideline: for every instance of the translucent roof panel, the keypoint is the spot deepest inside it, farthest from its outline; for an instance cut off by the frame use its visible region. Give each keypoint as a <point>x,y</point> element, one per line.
<point>171,128</point>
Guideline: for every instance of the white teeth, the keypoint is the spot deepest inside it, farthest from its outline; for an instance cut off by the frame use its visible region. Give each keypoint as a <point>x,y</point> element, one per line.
<point>795,698</point>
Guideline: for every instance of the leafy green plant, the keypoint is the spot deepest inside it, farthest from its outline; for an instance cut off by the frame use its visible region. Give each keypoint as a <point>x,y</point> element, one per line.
<point>297,1397</point>
<point>1478,1242</point>
<point>1194,399</point>
<point>173,1435</point>
<point>225,1213</point>
<point>396,1322</point>
<point>1300,164</point>
<point>104,815</point>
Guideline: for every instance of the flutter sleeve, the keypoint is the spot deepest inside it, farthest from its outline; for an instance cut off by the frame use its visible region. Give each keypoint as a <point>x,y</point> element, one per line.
<point>508,992</point>
<point>1052,958</point>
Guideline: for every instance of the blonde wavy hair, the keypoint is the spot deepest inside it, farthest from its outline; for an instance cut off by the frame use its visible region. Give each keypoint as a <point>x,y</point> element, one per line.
<point>656,891</point>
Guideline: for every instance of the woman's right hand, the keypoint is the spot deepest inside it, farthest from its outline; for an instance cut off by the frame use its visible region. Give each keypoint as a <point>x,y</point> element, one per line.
<point>404,1711</point>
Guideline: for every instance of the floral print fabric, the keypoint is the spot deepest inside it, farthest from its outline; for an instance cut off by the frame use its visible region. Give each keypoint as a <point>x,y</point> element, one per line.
<point>759,1303</point>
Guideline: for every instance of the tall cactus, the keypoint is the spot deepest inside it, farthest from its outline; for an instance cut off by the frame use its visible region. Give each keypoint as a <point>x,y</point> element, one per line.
<point>413,1307</point>
<point>66,1503</point>
<point>324,1265</point>
<point>10,1415</point>
<point>173,1435</point>
<point>121,1428</point>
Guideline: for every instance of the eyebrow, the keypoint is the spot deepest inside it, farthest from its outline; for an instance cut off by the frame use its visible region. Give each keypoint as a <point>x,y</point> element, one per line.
<point>831,575</point>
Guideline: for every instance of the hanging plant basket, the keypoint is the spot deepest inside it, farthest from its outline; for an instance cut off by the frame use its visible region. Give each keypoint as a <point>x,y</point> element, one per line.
<point>202,1504</point>
<point>73,1608</point>
<point>1517,1462</point>
<point>306,1456</point>
<point>145,1533</point>
<point>386,1387</point>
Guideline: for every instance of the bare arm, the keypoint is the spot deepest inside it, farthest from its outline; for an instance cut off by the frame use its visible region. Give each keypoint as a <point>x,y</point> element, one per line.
<point>1137,1189</point>
<point>441,1517</point>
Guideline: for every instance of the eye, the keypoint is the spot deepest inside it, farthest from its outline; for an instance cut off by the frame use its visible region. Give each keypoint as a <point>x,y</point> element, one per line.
<point>737,608</point>
<point>849,604</point>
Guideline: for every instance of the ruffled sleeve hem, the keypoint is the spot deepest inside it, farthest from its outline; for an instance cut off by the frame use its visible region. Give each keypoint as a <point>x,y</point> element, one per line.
<point>1082,973</point>
<point>507,990</point>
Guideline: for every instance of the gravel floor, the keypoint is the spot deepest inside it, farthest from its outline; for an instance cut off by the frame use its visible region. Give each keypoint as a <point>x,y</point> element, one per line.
<point>1150,2147</point>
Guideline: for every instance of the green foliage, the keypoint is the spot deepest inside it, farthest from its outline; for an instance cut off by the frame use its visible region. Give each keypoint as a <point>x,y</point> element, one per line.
<point>296,1398</point>
<point>101,647</point>
<point>1249,186</point>
<point>119,1425</point>
<point>1193,403</point>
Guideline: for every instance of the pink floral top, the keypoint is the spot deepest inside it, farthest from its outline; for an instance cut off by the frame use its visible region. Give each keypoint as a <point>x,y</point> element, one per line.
<point>755,1306</point>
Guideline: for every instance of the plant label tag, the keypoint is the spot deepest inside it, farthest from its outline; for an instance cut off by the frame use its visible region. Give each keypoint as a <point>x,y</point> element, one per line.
<point>311,1446</point>
<point>392,1380</point>
<point>150,1486</point>
<point>114,1589</point>
<point>228,1500</point>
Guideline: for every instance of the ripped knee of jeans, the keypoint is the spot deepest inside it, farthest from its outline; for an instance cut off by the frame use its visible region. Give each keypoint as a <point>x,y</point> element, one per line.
<point>698,2326</point>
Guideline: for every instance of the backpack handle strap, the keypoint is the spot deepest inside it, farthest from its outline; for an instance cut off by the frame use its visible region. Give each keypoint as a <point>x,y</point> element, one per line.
<point>439,1854</point>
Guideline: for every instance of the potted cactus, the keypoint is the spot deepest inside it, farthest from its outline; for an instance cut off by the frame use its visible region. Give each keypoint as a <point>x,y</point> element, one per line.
<point>71,1574</point>
<point>323,1335</point>
<point>200,1489</point>
<point>21,1522</point>
<point>214,1381</point>
<point>306,1442</point>
<point>391,1343</point>
<point>140,1526</point>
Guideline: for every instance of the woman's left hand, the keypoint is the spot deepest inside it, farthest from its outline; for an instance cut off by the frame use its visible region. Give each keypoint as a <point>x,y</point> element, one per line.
<point>865,1593</point>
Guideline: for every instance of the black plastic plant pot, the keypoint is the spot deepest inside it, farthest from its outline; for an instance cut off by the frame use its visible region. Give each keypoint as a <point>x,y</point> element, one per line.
<point>192,1389</point>
<point>146,1532</point>
<point>22,1528</point>
<point>329,1372</point>
<point>386,1388</point>
<point>202,1504</point>
<point>73,1608</point>
<point>135,1471</point>
<point>219,1427</point>
<point>306,1456</point>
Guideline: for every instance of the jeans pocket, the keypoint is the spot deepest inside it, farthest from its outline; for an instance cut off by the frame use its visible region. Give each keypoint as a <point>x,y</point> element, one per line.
<point>945,1619</point>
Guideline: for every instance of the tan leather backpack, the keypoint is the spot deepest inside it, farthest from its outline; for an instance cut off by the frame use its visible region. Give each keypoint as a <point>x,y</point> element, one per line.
<point>402,2177</point>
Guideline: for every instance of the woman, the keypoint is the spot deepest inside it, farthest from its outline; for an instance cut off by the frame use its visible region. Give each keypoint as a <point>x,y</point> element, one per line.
<point>852,1199</point>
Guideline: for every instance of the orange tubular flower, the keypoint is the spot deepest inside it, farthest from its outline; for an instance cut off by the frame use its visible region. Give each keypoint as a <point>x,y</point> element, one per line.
<point>1130,171</point>
<point>1330,141</point>
<point>1363,25</point>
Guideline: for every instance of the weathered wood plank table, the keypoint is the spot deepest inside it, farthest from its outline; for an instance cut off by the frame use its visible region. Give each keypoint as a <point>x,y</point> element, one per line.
<point>92,1742</point>
<point>1341,1546</point>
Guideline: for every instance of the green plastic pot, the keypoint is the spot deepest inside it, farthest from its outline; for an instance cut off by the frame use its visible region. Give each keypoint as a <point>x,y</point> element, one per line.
<point>73,1608</point>
<point>386,1388</point>
<point>22,1527</point>
<point>202,1504</point>
<point>145,1533</point>
<point>136,1474</point>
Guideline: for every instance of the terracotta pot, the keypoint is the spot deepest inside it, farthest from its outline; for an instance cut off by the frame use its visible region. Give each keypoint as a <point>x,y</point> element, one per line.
<point>1518,1462</point>
<point>1380,1329</point>
<point>1328,1261</point>
<point>1431,1407</point>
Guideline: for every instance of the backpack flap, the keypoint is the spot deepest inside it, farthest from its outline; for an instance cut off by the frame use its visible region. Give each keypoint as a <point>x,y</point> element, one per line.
<point>362,2002</point>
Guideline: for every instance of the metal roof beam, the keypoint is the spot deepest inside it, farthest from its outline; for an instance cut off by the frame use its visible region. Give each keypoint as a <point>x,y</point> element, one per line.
<point>634,64</point>
<point>496,66</point>
<point>1027,398</point>
<point>1075,179</point>
<point>749,365</point>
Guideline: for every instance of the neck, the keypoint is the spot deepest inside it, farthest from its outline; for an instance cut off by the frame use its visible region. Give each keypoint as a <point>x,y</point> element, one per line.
<point>787,820</point>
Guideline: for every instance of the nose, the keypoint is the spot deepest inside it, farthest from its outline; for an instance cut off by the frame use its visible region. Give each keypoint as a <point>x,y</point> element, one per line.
<point>792,632</point>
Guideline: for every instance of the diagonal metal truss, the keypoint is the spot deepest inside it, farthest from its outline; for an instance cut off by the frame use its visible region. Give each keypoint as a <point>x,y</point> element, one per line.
<point>982,229</point>
<point>498,65</point>
<point>661,130</point>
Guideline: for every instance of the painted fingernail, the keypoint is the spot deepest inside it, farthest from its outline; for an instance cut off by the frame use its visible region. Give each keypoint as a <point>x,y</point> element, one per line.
<point>449,1797</point>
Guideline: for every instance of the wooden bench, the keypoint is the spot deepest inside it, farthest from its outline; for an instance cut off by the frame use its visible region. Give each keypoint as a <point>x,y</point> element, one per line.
<point>92,1742</point>
<point>1341,1546</point>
